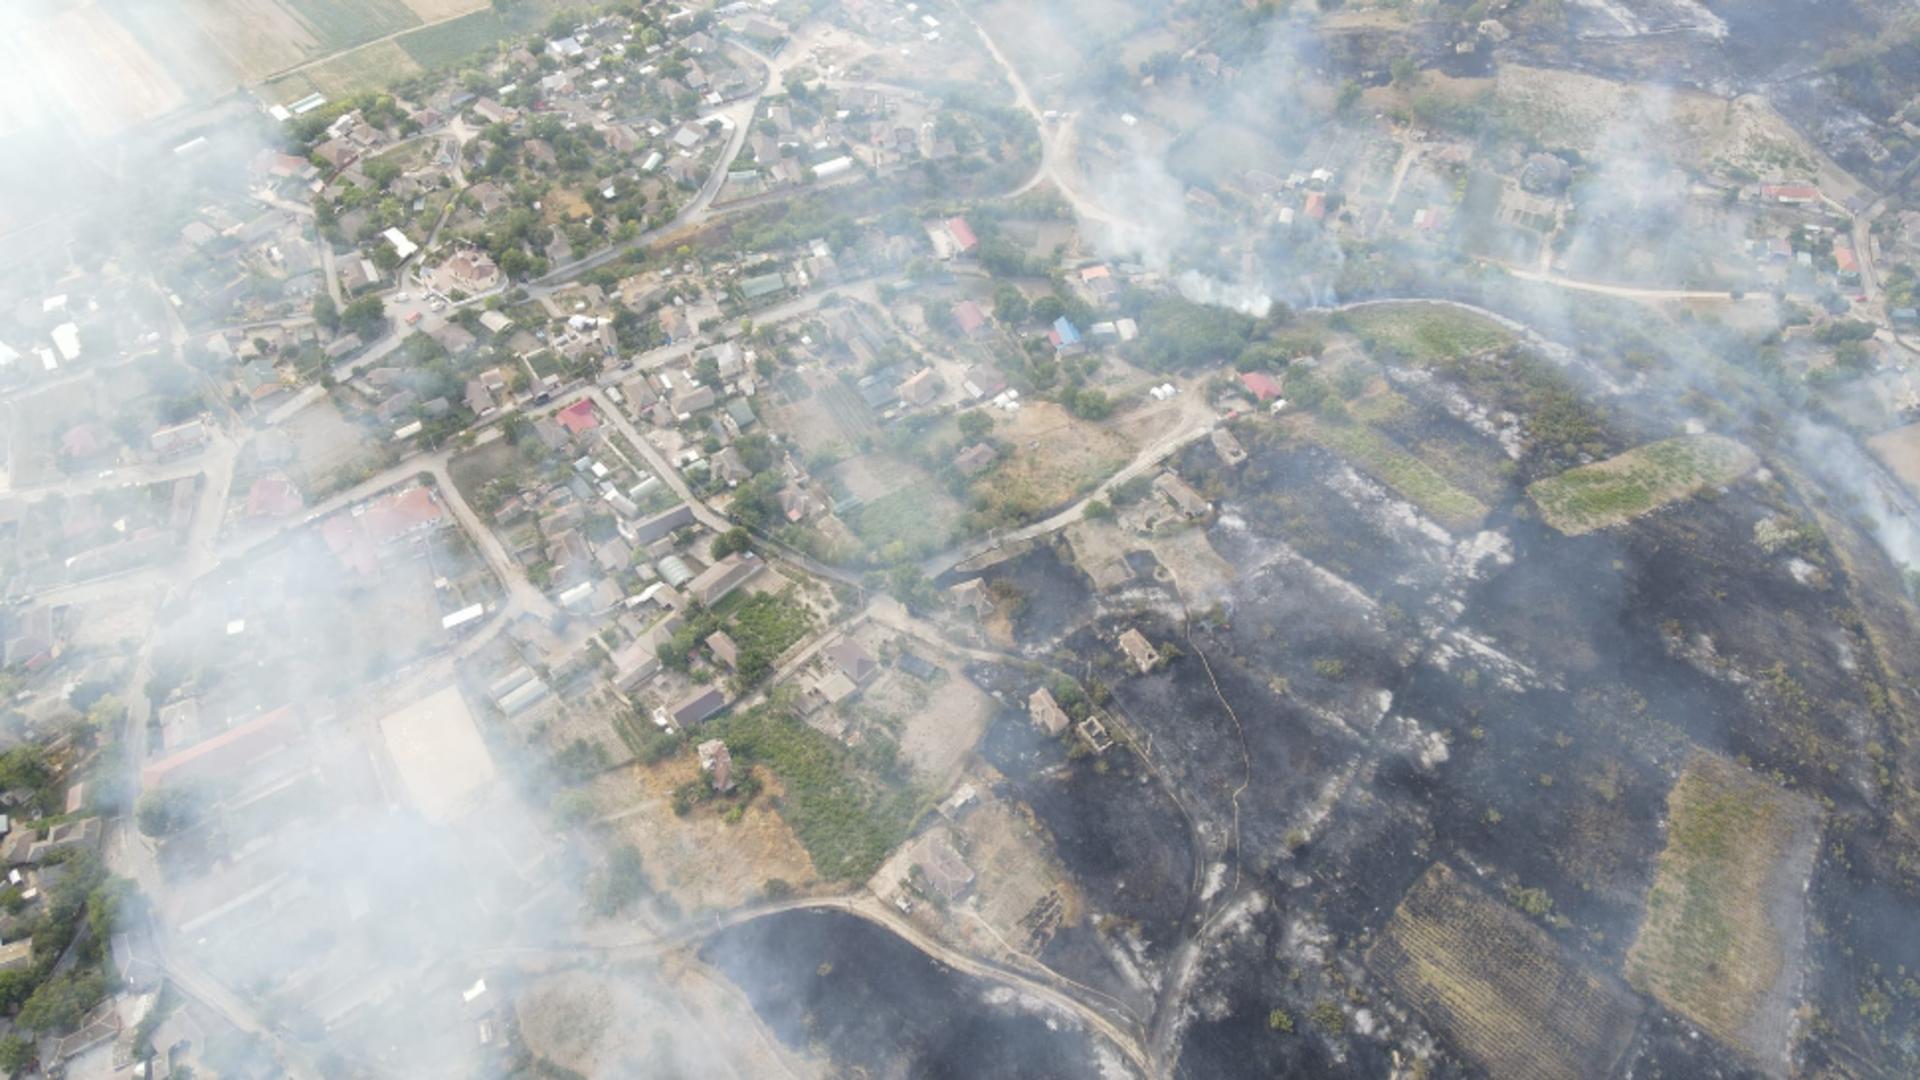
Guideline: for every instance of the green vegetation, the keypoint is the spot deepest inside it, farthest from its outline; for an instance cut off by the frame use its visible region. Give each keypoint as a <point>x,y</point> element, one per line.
<point>1409,476</point>
<point>448,43</point>
<point>766,625</point>
<point>1280,1020</point>
<point>1422,331</point>
<point>1708,948</point>
<point>911,521</point>
<point>847,817</point>
<point>82,906</point>
<point>1179,334</point>
<point>620,884</point>
<point>1642,479</point>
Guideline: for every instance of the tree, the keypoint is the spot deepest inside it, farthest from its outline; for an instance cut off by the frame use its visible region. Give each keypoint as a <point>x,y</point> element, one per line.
<point>16,1054</point>
<point>706,371</point>
<point>326,312</point>
<point>161,812</point>
<point>1048,308</point>
<point>730,542</point>
<point>1009,305</point>
<point>366,316</point>
<point>975,423</point>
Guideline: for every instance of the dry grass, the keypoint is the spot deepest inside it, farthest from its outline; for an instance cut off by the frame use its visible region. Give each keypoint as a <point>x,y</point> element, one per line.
<point>700,860</point>
<point>1709,948</point>
<point>367,68</point>
<point>1499,986</point>
<point>1900,450</point>
<point>1054,459</point>
<point>1644,478</point>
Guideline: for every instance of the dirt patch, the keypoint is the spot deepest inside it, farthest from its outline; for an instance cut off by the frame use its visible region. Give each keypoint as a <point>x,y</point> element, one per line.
<point>1055,458</point>
<point>1717,945</point>
<point>329,452</point>
<point>1498,985</point>
<point>700,860</point>
<point>939,721</point>
<point>1900,450</point>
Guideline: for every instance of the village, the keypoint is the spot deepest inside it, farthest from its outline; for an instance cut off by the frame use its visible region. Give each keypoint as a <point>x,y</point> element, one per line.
<point>623,457</point>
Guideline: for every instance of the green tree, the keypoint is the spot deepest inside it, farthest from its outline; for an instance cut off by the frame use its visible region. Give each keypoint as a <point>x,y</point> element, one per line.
<point>733,540</point>
<point>975,423</point>
<point>16,1054</point>
<point>366,316</point>
<point>326,312</point>
<point>1009,305</point>
<point>1048,308</point>
<point>161,812</point>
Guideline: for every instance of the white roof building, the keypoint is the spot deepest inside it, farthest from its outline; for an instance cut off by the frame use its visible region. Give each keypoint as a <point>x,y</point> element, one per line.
<point>402,246</point>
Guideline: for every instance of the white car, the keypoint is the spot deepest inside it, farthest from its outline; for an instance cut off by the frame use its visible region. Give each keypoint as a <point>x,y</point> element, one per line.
<point>401,297</point>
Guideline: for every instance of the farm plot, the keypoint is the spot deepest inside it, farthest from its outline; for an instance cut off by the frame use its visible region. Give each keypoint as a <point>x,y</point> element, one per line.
<point>1498,985</point>
<point>911,520</point>
<point>367,68</point>
<point>452,41</point>
<point>1723,923</point>
<point>1645,478</point>
<point>1056,459</point>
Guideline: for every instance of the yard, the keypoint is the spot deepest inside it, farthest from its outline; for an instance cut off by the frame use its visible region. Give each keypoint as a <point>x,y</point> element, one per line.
<point>1055,459</point>
<point>911,521</point>
<point>847,818</point>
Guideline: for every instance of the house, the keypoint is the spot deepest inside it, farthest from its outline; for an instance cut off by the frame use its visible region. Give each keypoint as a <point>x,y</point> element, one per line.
<point>717,763</point>
<point>853,661</point>
<point>962,234</point>
<point>723,649</point>
<point>694,400</point>
<point>920,388</point>
<point>701,703</point>
<point>1065,337</point>
<point>940,863</point>
<point>834,688</point>
<point>1790,194</point>
<point>1261,385</point>
<point>229,753</point>
<point>578,418</point>
<point>1228,447</point>
<point>974,459</point>
<point>972,595</point>
<point>969,317</point>
<point>1046,713</point>
<point>402,246</point>
<point>1181,495</point>
<point>480,400</point>
<point>471,270</point>
<point>1139,651</point>
<point>661,524</point>
<point>1098,283</point>
<point>713,584</point>
<point>982,381</point>
<point>917,666</point>
<point>178,439</point>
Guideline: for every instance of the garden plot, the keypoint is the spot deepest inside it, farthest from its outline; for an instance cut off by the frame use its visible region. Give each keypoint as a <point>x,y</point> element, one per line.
<point>1498,986</point>
<point>1645,478</point>
<point>1725,921</point>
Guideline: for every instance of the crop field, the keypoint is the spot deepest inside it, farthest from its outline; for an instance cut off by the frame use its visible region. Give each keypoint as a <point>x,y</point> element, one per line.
<point>340,24</point>
<point>1712,946</point>
<point>1411,477</point>
<point>1499,986</point>
<point>367,68</point>
<point>453,41</point>
<point>1645,478</point>
<point>1422,331</point>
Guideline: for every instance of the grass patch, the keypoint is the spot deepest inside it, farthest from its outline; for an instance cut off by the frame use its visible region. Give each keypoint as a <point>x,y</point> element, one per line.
<point>1499,986</point>
<point>1409,477</point>
<point>1424,331</point>
<point>1708,948</point>
<point>847,818</point>
<point>1645,478</point>
<point>911,521</point>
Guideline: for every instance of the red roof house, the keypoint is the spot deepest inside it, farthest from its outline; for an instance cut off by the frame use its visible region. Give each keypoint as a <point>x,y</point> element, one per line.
<point>1261,385</point>
<point>962,233</point>
<point>970,318</point>
<point>273,496</point>
<point>578,417</point>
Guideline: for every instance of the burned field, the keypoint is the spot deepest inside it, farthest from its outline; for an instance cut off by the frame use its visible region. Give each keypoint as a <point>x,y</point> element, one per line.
<point>1459,788</point>
<point>876,1006</point>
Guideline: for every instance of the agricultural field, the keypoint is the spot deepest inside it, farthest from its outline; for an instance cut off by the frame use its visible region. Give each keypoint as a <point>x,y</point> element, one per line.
<point>1645,478</point>
<point>1499,985</point>
<point>1715,947</point>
